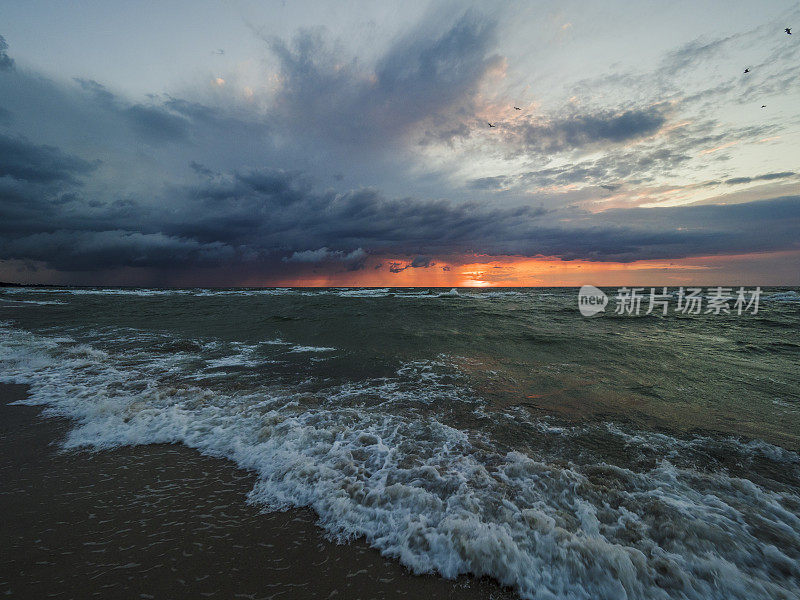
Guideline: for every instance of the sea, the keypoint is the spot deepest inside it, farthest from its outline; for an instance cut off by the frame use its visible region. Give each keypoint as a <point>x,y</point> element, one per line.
<point>493,433</point>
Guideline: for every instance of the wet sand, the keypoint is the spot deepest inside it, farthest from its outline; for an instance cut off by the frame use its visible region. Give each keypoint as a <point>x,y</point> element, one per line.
<point>163,521</point>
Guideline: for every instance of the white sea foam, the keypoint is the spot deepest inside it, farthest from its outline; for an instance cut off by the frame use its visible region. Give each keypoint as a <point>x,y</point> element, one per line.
<point>437,497</point>
<point>232,361</point>
<point>363,292</point>
<point>311,349</point>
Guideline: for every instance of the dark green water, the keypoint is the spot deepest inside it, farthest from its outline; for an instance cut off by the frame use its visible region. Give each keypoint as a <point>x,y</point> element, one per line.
<point>493,432</point>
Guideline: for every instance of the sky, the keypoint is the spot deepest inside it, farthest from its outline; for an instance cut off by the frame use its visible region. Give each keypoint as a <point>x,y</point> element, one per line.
<point>348,143</point>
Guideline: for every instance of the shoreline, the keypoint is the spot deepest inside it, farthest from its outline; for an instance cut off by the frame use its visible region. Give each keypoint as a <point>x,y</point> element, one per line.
<point>165,521</point>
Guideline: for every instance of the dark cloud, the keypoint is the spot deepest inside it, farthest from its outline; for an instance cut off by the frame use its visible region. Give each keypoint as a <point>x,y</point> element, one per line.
<point>279,211</point>
<point>201,169</point>
<point>418,262</point>
<point>255,215</point>
<point>6,62</point>
<point>685,231</point>
<point>273,217</point>
<point>579,130</point>
<point>765,177</point>
<point>98,90</point>
<point>97,250</point>
<point>424,76</point>
<point>422,262</point>
<point>157,125</point>
<point>261,216</point>
<point>167,121</point>
<point>23,160</point>
<point>325,255</point>
<point>490,183</point>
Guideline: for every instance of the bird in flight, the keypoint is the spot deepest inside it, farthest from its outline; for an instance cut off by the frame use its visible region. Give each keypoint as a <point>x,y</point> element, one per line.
<point>788,31</point>
<point>490,125</point>
<point>763,106</point>
<point>517,108</point>
<point>747,70</point>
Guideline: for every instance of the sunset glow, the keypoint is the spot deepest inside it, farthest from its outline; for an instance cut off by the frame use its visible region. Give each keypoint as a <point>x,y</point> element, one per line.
<point>515,271</point>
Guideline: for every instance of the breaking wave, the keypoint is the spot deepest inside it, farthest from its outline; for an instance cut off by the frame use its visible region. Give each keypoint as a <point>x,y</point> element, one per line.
<point>373,464</point>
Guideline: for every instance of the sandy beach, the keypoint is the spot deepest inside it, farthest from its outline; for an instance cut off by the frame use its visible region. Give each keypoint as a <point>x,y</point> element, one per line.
<point>162,521</point>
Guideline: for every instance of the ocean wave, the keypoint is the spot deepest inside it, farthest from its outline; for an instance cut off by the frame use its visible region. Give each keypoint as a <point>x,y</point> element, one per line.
<point>363,292</point>
<point>15,302</point>
<point>500,294</point>
<point>441,498</point>
<point>143,292</point>
<point>253,292</point>
<point>789,296</point>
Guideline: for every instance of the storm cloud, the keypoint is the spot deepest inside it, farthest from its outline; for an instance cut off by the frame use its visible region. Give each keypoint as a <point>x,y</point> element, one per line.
<point>261,216</point>
<point>579,130</point>
<point>341,163</point>
<point>22,160</point>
